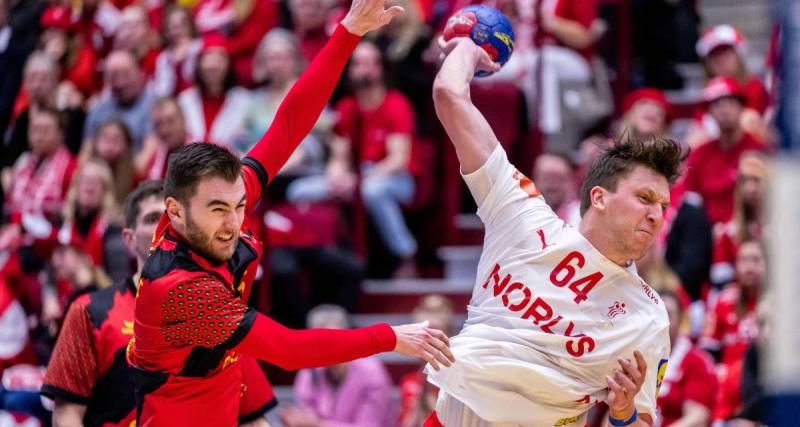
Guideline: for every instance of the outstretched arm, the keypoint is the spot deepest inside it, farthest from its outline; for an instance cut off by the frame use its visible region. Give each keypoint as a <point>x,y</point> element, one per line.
<point>304,102</point>
<point>469,131</point>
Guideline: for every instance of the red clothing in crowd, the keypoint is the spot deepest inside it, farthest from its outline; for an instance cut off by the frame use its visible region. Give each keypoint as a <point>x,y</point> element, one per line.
<point>689,376</point>
<point>583,12</point>
<point>729,399</point>
<point>729,330</point>
<point>192,324</point>
<point>368,129</point>
<point>711,172</point>
<point>40,184</point>
<point>725,250</point>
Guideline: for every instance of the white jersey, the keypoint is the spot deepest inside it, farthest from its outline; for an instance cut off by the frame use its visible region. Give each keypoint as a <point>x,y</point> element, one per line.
<point>549,315</point>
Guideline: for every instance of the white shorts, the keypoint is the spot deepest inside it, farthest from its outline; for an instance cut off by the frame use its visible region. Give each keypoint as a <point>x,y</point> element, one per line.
<point>453,413</point>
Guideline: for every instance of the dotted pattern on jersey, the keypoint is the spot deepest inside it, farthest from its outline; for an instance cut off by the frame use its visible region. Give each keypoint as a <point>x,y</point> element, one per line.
<point>200,311</point>
<point>73,367</point>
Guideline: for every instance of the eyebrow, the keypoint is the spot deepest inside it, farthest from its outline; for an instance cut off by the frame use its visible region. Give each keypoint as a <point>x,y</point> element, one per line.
<point>223,203</point>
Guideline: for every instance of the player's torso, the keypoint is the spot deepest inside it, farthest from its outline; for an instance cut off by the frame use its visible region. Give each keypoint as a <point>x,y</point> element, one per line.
<point>551,316</point>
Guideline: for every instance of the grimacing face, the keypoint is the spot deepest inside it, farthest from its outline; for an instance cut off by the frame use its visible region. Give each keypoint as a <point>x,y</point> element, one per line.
<point>635,211</point>
<point>214,217</point>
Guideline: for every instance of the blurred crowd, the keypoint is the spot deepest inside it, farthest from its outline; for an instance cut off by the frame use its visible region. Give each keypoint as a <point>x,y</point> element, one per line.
<point>96,94</point>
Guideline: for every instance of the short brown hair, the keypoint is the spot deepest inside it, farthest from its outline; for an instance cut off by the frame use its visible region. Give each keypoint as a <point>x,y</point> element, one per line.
<point>192,162</point>
<point>662,154</point>
<point>151,188</point>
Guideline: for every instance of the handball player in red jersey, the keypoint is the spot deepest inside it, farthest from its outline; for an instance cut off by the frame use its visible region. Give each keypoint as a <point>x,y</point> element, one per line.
<point>191,322</point>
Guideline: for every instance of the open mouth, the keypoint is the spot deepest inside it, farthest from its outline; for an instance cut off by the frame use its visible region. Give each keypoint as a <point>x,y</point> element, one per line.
<point>225,238</point>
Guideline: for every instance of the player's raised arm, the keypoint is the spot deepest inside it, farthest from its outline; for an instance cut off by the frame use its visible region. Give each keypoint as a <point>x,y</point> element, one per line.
<point>471,134</point>
<point>306,99</point>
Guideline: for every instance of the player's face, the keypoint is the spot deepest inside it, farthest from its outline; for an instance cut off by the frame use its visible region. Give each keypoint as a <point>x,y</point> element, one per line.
<point>150,211</point>
<point>215,216</point>
<point>635,211</point>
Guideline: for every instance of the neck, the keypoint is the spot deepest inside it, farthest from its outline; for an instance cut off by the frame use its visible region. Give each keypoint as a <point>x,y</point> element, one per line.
<point>601,240</point>
<point>730,137</point>
<point>215,90</point>
<point>371,97</point>
<point>83,277</point>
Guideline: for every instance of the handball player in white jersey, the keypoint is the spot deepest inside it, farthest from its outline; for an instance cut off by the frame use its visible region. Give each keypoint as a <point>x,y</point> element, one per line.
<point>559,318</point>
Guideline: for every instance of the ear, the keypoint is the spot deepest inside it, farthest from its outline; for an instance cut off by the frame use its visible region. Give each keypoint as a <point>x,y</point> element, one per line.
<point>176,211</point>
<point>597,197</point>
<point>129,237</point>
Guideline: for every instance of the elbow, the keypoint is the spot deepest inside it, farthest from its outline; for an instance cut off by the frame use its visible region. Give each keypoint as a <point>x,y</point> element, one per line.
<point>446,92</point>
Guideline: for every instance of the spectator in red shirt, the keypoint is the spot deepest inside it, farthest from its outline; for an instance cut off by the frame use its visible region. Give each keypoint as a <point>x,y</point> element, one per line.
<point>723,50</point>
<point>308,22</point>
<point>689,386</point>
<point>214,108</point>
<point>711,170</point>
<point>77,59</point>
<point>376,128</point>
<point>646,112</point>
<point>175,65</point>
<point>168,136</point>
<point>113,144</point>
<point>567,35</point>
<point>747,221</point>
<point>731,324</point>
<point>242,22</point>
<point>135,35</point>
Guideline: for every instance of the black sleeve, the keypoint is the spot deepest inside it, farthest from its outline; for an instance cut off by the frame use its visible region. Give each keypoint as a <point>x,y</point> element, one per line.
<point>689,247</point>
<point>751,390</point>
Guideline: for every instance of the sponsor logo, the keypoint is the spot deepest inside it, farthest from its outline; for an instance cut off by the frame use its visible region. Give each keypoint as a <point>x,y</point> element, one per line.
<point>662,369</point>
<point>505,39</point>
<point>649,292</point>
<point>127,327</point>
<point>567,420</point>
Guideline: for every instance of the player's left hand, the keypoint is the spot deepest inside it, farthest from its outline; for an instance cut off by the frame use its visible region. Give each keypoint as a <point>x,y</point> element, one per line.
<point>367,15</point>
<point>624,385</point>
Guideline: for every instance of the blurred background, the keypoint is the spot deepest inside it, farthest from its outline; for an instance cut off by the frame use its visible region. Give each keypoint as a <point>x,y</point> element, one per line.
<point>370,221</point>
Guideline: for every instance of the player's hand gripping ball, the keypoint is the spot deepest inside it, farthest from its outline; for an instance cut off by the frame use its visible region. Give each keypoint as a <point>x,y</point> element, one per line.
<point>487,27</point>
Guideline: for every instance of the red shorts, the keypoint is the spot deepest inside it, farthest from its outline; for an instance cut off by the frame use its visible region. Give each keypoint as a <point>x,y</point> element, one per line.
<point>432,421</point>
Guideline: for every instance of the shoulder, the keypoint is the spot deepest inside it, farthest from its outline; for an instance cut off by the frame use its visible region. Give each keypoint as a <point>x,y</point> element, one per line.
<point>347,104</point>
<point>101,302</point>
<point>699,361</point>
<point>396,98</point>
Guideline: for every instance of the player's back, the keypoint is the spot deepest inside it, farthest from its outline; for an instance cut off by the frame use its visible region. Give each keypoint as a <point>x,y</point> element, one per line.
<point>549,314</point>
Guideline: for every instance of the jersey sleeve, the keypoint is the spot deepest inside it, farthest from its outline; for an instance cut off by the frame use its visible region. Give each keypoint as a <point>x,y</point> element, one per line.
<point>72,372</point>
<point>656,353</point>
<point>508,202</point>
<point>258,397</point>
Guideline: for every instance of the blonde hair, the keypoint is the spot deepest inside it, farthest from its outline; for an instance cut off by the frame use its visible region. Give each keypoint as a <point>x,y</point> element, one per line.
<point>109,208</point>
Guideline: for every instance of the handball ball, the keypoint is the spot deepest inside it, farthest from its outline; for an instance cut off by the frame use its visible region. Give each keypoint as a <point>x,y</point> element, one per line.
<point>487,27</point>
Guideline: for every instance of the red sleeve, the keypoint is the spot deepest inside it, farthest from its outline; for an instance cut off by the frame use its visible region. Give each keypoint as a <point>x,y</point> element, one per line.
<point>72,372</point>
<point>701,381</point>
<point>82,73</point>
<point>262,18</point>
<point>300,109</point>
<point>257,394</point>
<point>583,12</point>
<point>310,348</point>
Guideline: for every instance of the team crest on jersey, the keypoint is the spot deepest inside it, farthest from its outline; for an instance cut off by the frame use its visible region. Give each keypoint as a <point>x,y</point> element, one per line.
<point>662,369</point>
<point>616,309</point>
<point>526,184</point>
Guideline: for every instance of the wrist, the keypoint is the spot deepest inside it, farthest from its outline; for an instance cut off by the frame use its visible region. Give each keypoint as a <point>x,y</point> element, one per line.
<point>625,417</point>
<point>352,27</point>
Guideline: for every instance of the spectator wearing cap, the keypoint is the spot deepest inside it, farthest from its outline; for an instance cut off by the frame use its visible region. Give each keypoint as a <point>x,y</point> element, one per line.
<point>554,175</point>
<point>355,394</point>
<point>77,59</point>
<point>129,98</point>
<point>711,170</point>
<point>646,112</point>
<point>175,65</point>
<point>242,22</point>
<point>723,49</point>
<point>40,90</point>
<point>214,108</point>
<point>168,136</point>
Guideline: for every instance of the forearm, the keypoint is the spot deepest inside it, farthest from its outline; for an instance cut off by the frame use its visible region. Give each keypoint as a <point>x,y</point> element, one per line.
<point>67,414</point>
<point>303,104</point>
<point>310,348</point>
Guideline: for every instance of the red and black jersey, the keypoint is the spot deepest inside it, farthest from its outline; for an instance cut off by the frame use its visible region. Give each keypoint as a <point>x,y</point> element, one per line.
<point>88,364</point>
<point>192,326</point>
